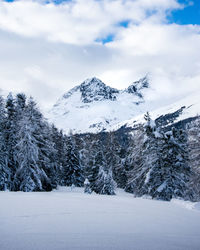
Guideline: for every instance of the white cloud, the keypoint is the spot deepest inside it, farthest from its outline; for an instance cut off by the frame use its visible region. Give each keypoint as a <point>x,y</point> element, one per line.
<point>45,49</point>
<point>169,52</point>
<point>77,22</point>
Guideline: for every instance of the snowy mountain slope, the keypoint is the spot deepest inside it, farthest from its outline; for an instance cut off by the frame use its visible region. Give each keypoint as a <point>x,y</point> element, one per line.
<point>185,108</point>
<point>93,106</point>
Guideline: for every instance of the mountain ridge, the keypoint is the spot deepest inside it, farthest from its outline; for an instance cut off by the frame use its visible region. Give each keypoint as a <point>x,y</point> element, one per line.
<point>93,89</point>
<point>92,106</point>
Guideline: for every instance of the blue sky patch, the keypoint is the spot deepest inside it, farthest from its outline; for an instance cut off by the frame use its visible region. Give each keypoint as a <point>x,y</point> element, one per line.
<point>189,15</point>
<point>107,39</point>
<point>124,23</point>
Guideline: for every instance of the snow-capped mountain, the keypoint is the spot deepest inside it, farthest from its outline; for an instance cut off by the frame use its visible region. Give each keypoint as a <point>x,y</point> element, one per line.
<point>93,106</point>
<point>187,107</point>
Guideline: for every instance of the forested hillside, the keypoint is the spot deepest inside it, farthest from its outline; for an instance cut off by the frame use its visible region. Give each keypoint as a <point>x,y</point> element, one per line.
<point>147,160</point>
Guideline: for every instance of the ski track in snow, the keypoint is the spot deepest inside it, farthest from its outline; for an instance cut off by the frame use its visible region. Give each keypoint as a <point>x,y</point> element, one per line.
<point>69,219</point>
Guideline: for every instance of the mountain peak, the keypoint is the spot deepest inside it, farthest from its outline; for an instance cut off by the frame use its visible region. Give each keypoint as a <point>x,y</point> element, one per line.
<point>137,86</point>
<point>94,106</point>
<point>92,81</point>
<point>93,89</point>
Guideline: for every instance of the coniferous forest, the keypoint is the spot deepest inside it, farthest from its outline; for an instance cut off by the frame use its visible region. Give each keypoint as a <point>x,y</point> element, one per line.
<point>148,160</point>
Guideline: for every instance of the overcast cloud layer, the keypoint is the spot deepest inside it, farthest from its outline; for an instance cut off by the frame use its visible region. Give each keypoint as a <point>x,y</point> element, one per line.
<point>46,49</point>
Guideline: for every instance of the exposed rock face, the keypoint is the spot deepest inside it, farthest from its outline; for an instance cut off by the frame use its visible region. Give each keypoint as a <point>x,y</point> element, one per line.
<point>137,87</point>
<point>95,90</point>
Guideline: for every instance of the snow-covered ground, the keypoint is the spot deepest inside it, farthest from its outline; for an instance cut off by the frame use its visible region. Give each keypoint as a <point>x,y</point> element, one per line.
<point>66,219</point>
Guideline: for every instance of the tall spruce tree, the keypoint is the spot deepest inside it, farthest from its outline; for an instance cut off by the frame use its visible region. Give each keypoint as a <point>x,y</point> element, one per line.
<point>72,171</point>
<point>10,136</point>
<point>42,135</point>
<point>63,154</point>
<point>193,131</point>
<point>90,159</point>
<point>148,160</point>
<point>4,170</point>
<point>58,155</point>
<point>104,182</point>
<point>174,169</point>
<point>134,159</point>
<point>162,171</point>
<point>27,176</point>
<point>104,161</point>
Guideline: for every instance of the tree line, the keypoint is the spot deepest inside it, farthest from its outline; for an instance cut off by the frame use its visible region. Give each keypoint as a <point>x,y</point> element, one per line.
<point>34,155</point>
<point>150,160</point>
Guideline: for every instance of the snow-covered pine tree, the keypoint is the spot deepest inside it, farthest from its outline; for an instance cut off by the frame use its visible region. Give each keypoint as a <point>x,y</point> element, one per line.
<point>114,156</point>
<point>147,158</point>
<point>20,108</point>
<point>20,105</point>
<point>62,154</point>
<point>87,188</point>
<point>91,152</point>
<point>193,131</point>
<point>42,135</point>
<point>151,157</point>
<point>27,176</point>
<point>47,158</point>
<point>104,160</point>
<point>162,169</point>
<point>4,170</point>
<point>98,166</point>
<point>171,176</point>
<point>105,183</point>
<point>72,171</point>
<point>120,166</point>
<point>133,161</point>
<point>59,156</point>
<point>89,160</point>
<point>10,136</point>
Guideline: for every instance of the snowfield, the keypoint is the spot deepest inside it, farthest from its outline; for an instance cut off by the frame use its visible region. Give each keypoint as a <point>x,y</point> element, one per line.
<point>70,219</point>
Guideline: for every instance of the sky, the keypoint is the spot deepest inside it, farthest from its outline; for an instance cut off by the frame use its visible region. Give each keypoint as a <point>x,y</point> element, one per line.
<point>48,47</point>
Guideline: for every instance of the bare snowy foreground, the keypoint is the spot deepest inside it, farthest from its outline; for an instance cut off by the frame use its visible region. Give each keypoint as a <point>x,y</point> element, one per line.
<point>66,219</point>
